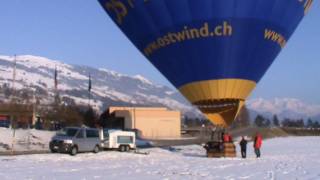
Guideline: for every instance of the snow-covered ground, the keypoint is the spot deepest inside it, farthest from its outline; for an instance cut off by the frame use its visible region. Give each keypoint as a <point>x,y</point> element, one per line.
<point>282,158</point>
<point>24,140</point>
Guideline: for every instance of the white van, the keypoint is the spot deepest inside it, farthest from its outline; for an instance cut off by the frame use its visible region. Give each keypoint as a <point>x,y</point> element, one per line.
<point>74,139</point>
<point>117,139</point>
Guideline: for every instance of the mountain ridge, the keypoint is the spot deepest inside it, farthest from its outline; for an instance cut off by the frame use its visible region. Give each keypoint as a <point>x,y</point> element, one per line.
<point>292,108</point>
<point>38,72</point>
<point>113,88</point>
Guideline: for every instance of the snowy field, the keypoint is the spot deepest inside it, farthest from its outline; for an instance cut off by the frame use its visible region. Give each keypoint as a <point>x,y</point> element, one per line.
<point>24,140</point>
<point>33,140</point>
<point>282,158</point>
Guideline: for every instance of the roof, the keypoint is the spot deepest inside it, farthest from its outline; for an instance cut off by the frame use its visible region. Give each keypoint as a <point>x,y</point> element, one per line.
<point>119,108</point>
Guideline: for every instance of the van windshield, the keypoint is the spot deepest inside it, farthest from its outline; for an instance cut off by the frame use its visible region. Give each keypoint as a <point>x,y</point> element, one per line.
<point>70,132</point>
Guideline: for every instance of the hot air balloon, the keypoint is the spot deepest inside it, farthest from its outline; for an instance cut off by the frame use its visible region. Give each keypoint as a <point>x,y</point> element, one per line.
<point>213,51</point>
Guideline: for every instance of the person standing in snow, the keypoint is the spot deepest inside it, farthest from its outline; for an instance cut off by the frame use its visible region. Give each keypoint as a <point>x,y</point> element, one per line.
<point>222,137</point>
<point>227,137</point>
<point>257,144</point>
<point>243,147</point>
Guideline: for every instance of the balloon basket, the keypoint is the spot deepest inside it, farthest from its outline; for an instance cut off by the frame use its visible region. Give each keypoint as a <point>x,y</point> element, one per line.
<point>220,149</point>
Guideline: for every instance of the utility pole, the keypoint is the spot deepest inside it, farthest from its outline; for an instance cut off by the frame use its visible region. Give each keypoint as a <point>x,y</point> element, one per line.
<point>33,116</point>
<point>89,90</point>
<point>56,93</point>
<point>89,104</point>
<point>13,103</point>
<point>56,99</point>
<point>14,78</point>
<point>33,106</point>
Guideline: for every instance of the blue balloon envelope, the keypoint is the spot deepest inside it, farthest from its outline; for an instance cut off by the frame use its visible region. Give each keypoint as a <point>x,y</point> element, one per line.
<point>213,51</point>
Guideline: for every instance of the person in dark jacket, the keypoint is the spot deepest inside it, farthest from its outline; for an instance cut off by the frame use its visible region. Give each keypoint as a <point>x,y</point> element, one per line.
<point>222,137</point>
<point>257,145</point>
<point>243,147</point>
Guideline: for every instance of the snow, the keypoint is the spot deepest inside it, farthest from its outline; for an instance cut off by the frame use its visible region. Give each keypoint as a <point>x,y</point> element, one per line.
<point>25,140</point>
<point>117,75</point>
<point>142,79</point>
<point>282,158</point>
<point>36,71</point>
<point>95,104</point>
<point>114,94</point>
<point>112,73</point>
<point>170,92</point>
<point>42,64</point>
<point>166,101</point>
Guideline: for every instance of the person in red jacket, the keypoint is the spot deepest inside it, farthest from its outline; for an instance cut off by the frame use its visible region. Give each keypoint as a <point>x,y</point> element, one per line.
<point>257,144</point>
<point>227,137</point>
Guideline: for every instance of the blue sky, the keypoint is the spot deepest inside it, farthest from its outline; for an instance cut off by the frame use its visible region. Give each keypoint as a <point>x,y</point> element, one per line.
<point>81,33</point>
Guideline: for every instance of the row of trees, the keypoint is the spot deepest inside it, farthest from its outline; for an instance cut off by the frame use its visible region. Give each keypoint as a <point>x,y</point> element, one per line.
<point>69,115</point>
<point>243,120</point>
<point>47,117</point>
<point>21,105</point>
<point>261,121</point>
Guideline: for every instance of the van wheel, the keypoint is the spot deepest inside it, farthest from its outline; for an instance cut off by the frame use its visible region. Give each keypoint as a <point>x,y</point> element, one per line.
<point>96,149</point>
<point>74,151</point>
<point>53,150</point>
<point>127,148</point>
<point>122,148</point>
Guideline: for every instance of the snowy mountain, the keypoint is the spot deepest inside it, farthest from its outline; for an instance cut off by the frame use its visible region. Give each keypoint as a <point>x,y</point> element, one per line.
<point>284,108</point>
<point>108,87</point>
<point>113,88</point>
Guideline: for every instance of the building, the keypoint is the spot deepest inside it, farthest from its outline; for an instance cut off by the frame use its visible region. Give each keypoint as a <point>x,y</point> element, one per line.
<point>151,123</point>
<point>21,115</point>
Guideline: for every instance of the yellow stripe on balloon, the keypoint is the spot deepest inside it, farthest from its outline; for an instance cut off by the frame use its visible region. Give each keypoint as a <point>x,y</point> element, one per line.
<point>220,100</point>
<point>218,89</point>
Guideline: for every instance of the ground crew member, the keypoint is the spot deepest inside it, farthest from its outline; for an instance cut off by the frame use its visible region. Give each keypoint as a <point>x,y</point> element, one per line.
<point>257,145</point>
<point>243,147</point>
<point>226,137</point>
